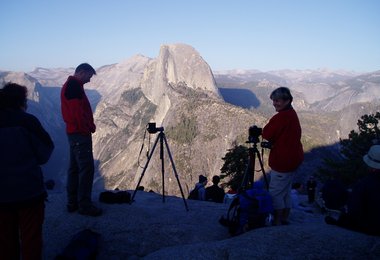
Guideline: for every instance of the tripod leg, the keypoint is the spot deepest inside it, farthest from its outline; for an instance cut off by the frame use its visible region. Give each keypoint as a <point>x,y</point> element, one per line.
<point>262,169</point>
<point>175,172</point>
<point>249,171</point>
<point>145,167</point>
<point>162,164</point>
<point>252,159</point>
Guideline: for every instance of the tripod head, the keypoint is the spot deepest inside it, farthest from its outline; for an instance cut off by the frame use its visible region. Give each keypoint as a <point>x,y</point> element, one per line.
<point>152,129</point>
<point>254,133</point>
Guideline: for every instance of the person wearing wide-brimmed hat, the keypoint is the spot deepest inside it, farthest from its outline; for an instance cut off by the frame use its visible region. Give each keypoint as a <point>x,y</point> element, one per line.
<point>363,207</point>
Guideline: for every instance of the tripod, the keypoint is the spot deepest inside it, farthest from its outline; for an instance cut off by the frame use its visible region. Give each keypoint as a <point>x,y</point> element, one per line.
<point>162,138</point>
<point>248,178</point>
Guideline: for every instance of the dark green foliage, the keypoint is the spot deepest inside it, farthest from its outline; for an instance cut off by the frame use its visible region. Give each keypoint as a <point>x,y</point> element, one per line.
<point>132,95</point>
<point>185,131</point>
<point>359,143</point>
<point>349,165</point>
<point>235,163</point>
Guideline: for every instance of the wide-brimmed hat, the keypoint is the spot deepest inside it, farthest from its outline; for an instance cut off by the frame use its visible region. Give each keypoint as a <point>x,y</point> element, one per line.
<point>372,158</point>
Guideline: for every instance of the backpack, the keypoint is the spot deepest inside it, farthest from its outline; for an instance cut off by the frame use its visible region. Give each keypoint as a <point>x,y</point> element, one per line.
<point>250,209</point>
<point>231,220</point>
<point>255,208</point>
<point>112,197</point>
<point>194,194</point>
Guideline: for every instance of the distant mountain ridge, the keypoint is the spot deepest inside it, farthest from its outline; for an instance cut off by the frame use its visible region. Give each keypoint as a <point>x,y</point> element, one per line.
<point>179,91</point>
<point>337,94</point>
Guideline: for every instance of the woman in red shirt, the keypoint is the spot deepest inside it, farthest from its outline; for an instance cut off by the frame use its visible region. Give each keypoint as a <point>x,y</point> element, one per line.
<point>283,131</point>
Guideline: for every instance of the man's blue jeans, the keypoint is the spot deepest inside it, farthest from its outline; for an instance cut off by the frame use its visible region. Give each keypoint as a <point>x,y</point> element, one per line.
<point>81,170</point>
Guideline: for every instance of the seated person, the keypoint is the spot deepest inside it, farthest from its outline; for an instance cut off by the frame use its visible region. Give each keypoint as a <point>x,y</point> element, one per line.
<point>296,191</point>
<point>363,206</point>
<point>199,191</point>
<point>215,193</point>
<point>231,194</point>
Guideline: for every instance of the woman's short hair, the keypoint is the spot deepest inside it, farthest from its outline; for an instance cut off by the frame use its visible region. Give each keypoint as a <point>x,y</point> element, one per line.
<point>13,95</point>
<point>281,93</point>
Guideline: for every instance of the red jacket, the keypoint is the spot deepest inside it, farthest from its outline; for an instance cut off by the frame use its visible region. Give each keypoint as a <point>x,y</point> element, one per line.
<point>75,108</point>
<point>284,132</point>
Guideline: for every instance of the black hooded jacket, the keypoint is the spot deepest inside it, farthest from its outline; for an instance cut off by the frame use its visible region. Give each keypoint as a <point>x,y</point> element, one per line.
<point>24,146</point>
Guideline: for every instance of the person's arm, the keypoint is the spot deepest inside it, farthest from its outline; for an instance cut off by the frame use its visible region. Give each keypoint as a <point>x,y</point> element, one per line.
<point>202,193</point>
<point>41,141</point>
<point>270,130</point>
<point>77,104</point>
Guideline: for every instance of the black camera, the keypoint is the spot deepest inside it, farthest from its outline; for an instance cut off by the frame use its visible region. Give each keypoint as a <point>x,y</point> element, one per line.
<point>152,129</point>
<point>267,145</point>
<point>253,134</point>
<point>255,131</point>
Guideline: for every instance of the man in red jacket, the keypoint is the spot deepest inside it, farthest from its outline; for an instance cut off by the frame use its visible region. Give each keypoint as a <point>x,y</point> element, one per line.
<point>283,131</point>
<point>77,114</point>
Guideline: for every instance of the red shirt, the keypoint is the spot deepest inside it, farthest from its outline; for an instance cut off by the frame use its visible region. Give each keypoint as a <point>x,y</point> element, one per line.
<point>75,108</point>
<point>284,132</point>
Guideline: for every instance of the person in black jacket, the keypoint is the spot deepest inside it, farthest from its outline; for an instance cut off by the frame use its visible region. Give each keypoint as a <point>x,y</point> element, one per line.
<point>215,193</point>
<point>24,146</point>
<point>363,205</point>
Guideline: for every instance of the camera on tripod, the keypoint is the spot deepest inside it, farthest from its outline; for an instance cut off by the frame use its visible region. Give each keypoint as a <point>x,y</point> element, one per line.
<point>253,134</point>
<point>253,137</point>
<point>163,143</point>
<point>152,129</point>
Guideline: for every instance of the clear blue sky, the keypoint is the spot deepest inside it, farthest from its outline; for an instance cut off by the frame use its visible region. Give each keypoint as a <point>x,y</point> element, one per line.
<point>234,34</point>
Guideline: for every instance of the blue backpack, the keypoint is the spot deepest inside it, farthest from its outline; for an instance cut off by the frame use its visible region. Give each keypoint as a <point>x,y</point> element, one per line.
<point>249,210</point>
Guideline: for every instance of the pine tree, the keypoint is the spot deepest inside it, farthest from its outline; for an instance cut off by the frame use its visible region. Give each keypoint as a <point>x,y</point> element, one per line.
<point>235,164</point>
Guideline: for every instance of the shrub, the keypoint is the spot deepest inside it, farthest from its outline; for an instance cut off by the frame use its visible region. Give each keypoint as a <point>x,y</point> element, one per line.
<point>348,165</point>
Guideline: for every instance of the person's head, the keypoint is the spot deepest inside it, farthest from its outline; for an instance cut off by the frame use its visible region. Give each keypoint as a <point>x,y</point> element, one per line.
<point>84,72</point>
<point>372,158</point>
<point>282,98</point>
<point>202,179</point>
<point>14,96</point>
<point>215,179</point>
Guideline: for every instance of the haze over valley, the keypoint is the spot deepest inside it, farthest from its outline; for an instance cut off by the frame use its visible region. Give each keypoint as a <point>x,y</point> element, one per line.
<point>204,113</point>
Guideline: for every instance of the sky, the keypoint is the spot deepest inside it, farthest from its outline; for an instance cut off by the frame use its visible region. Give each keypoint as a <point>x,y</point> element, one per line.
<point>235,34</point>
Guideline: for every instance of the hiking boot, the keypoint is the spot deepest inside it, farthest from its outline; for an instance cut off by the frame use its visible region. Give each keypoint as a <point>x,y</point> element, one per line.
<point>90,211</point>
<point>72,207</point>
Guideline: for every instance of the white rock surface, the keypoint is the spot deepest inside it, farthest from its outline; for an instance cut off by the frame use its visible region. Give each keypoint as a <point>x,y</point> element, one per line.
<point>151,229</point>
